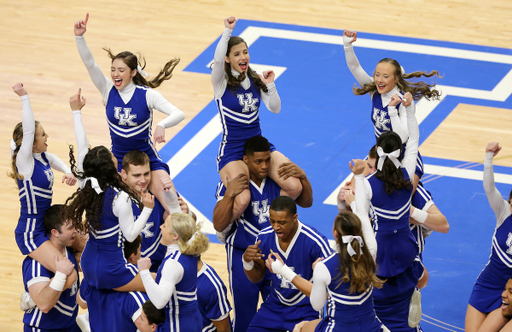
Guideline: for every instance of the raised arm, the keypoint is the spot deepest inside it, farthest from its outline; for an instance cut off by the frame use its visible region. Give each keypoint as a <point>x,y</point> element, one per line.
<point>271,98</point>
<point>218,74</point>
<point>76,102</point>
<point>500,207</point>
<point>123,210</point>
<point>411,148</point>
<point>399,122</point>
<point>102,83</point>
<point>24,159</point>
<point>160,294</point>
<point>362,206</point>
<point>352,62</point>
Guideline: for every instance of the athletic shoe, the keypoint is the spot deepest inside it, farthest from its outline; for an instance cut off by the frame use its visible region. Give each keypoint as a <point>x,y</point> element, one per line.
<point>83,322</point>
<point>26,302</point>
<point>415,309</point>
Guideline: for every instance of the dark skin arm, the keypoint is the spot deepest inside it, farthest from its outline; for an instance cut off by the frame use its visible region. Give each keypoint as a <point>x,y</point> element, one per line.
<point>290,169</point>
<point>223,212</point>
<point>253,253</point>
<point>222,325</point>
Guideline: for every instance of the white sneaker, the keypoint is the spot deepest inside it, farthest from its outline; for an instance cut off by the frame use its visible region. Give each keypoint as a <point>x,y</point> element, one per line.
<point>415,309</point>
<point>83,322</point>
<point>26,302</point>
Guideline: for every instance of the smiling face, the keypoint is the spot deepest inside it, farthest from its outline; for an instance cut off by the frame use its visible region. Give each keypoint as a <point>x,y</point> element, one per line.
<point>40,139</point>
<point>121,74</point>
<point>506,299</point>
<point>284,224</point>
<point>137,177</point>
<point>238,57</point>
<point>384,77</point>
<point>258,164</point>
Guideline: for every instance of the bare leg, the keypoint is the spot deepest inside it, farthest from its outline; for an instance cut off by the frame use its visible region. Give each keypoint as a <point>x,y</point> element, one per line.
<point>423,281</point>
<point>306,326</point>
<point>474,319</point>
<point>290,187</point>
<point>231,170</point>
<point>493,322</point>
<point>45,254</point>
<point>156,188</point>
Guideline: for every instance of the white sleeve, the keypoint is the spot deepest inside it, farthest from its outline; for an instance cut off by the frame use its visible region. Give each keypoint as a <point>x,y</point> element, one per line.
<point>57,163</point>
<point>355,67</point>
<point>160,294</point>
<point>171,200</point>
<point>156,101</point>
<point>399,122</point>
<point>411,148</point>
<point>271,98</point>
<point>218,74</point>
<point>362,211</point>
<point>81,140</point>
<point>102,83</point>
<point>122,208</point>
<point>500,206</point>
<point>321,279</point>
<point>24,158</point>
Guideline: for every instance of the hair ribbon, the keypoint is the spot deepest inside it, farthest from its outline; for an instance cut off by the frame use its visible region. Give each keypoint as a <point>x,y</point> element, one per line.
<point>348,239</point>
<point>94,184</point>
<point>393,156</point>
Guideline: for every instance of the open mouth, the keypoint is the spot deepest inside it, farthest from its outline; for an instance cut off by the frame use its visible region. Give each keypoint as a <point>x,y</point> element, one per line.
<point>243,66</point>
<point>381,86</point>
<point>504,305</point>
<point>118,82</point>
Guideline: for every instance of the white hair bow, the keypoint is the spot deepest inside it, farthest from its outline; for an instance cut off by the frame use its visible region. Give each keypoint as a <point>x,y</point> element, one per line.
<point>13,146</point>
<point>348,239</point>
<point>189,242</point>
<point>94,184</point>
<point>393,156</point>
<point>142,72</point>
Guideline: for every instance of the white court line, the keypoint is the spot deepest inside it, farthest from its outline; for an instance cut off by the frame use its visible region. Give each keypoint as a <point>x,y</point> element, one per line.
<point>423,108</point>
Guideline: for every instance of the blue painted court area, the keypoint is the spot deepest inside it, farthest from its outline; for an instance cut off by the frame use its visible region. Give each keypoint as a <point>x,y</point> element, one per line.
<point>322,126</point>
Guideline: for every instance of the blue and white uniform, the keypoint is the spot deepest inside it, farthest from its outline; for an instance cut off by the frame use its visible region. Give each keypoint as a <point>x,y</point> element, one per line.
<point>242,234</point>
<point>100,303</point>
<point>397,247</point>
<point>62,317</point>
<point>345,311</point>
<point>35,190</point>
<point>130,112</point>
<point>103,262</point>
<point>238,107</point>
<point>421,199</point>
<point>489,285</point>
<point>175,290</point>
<point>286,305</point>
<point>211,297</point>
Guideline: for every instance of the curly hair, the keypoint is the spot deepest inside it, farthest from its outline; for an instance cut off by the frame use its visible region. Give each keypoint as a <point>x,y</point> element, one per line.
<point>233,81</point>
<point>360,269</point>
<point>392,176</point>
<point>417,89</point>
<point>132,60</point>
<point>17,136</point>
<point>98,164</point>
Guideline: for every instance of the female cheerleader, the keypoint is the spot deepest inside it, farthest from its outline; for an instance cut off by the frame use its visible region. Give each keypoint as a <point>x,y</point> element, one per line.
<point>31,166</point>
<point>484,312</point>
<point>107,203</point>
<point>176,282</point>
<point>347,276</point>
<point>389,78</point>
<point>238,89</point>
<point>130,100</point>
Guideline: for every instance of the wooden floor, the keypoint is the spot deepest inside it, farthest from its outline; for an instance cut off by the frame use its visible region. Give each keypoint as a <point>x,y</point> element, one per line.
<point>37,47</point>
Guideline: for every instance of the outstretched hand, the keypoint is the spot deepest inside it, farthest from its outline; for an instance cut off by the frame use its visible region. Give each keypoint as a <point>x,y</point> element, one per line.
<point>19,89</point>
<point>76,102</point>
<point>69,179</point>
<point>80,26</point>
<point>230,22</point>
<point>493,147</point>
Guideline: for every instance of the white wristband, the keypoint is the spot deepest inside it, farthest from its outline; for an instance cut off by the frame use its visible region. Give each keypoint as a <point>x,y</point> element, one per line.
<point>287,273</point>
<point>58,281</point>
<point>342,205</point>
<point>419,215</point>
<point>248,266</point>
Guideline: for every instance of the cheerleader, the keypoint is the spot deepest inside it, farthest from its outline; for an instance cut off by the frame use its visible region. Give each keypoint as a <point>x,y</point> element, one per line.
<point>175,286</point>
<point>238,92</point>
<point>130,100</point>
<point>347,277</point>
<point>484,312</point>
<point>389,78</point>
<point>107,203</point>
<point>31,167</point>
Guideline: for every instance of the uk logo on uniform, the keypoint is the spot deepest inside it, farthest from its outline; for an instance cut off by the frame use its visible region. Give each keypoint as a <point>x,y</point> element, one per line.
<point>249,104</point>
<point>124,116</point>
<point>261,212</point>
